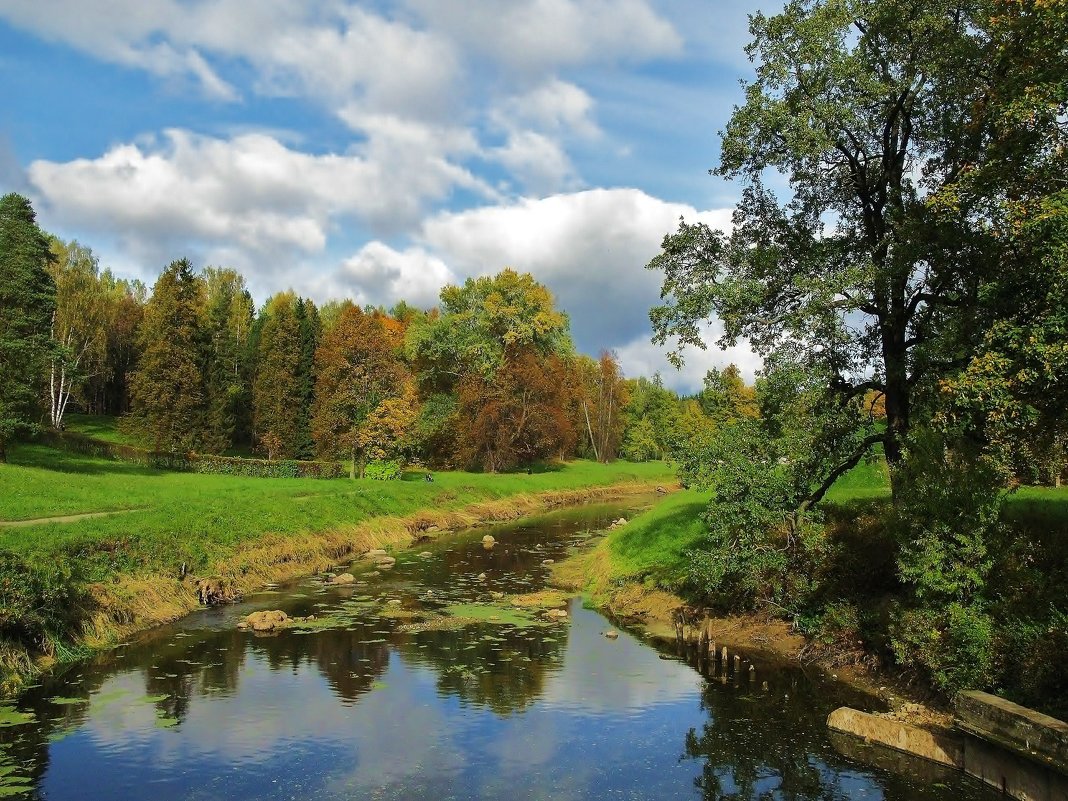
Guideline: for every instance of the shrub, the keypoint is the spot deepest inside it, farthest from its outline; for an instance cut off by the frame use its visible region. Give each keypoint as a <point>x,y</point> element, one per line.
<point>386,470</point>
<point>952,646</point>
<point>40,603</point>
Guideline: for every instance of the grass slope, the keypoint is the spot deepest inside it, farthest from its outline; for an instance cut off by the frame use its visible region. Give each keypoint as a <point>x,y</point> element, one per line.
<point>199,519</point>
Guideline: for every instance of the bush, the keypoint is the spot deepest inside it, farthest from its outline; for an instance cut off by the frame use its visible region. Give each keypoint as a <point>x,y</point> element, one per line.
<point>953,647</point>
<point>387,470</point>
<point>40,603</point>
<point>192,462</point>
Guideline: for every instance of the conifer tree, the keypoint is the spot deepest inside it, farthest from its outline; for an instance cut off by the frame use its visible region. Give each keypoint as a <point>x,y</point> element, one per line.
<point>27,301</point>
<point>310,333</point>
<point>167,390</point>
<point>276,391</point>
<point>227,324</point>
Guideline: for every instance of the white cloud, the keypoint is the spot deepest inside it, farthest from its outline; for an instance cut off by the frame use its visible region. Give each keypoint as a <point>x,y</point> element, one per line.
<point>252,192</point>
<point>379,275</point>
<point>640,357</point>
<point>554,106</point>
<point>590,248</point>
<point>535,37</point>
<point>537,161</point>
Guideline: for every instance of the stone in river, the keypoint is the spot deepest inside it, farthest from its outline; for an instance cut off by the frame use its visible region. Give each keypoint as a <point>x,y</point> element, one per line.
<point>344,578</point>
<point>267,620</point>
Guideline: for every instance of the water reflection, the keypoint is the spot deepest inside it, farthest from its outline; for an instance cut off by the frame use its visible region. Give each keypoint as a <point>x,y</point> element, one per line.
<point>381,701</point>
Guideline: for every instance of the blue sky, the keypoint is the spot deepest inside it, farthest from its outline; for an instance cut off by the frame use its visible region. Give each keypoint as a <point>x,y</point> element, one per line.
<point>378,150</point>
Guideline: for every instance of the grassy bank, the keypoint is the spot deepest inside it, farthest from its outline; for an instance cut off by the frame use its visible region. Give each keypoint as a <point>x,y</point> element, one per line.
<point>850,614</point>
<point>128,531</point>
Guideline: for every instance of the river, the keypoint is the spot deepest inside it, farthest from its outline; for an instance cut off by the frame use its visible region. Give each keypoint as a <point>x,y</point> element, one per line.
<point>381,700</point>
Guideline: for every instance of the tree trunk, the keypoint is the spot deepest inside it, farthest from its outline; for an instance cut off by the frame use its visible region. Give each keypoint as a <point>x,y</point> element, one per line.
<point>3,452</point>
<point>897,392</point>
<point>352,465</point>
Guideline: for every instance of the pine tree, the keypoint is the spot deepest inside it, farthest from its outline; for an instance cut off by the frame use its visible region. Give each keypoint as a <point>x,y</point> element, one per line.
<point>167,390</point>
<point>27,302</point>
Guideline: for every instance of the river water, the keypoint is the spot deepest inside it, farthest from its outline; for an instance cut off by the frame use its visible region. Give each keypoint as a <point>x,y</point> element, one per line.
<point>380,700</point>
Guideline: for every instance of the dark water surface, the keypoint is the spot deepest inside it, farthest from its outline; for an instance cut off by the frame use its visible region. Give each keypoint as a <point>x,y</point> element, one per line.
<point>369,706</point>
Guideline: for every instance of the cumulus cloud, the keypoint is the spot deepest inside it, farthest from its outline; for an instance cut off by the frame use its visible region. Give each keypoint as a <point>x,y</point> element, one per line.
<point>641,357</point>
<point>379,275</point>
<point>251,192</point>
<point>590,248</point>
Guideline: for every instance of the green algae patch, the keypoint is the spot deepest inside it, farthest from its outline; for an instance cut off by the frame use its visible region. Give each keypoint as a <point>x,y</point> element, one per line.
<point>9,716</point>
<point>543,599</point>
<point>487,613</point>
<point>61,701</point>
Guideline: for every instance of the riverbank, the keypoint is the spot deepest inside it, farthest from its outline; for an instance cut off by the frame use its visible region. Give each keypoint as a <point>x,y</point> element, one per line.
<point>844,609</point>
<point>93,581</point>
<point>628,574</point>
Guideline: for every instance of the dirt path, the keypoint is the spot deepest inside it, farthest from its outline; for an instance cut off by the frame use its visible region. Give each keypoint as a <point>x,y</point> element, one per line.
<point>36,521</point>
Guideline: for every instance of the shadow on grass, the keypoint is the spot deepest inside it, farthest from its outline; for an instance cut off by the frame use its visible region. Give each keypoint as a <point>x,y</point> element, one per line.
<point>45,458</point>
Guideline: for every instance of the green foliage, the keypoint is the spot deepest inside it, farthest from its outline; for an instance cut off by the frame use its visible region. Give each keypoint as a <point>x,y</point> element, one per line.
<point>387,470</point>
<point>41,602</point>
<point>640,442</point>
<point>167,391</point>
<point>479,323</point>
<point>276,387</point>
<point>947,510</point>
<point>953,645</point>
<point>227,326</point>
<point>27,299</point>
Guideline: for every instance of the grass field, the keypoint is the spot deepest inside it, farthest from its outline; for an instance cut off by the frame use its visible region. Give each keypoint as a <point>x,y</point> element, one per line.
<point>654,543</point>
<point>169,518</point>
<point>99,426</point>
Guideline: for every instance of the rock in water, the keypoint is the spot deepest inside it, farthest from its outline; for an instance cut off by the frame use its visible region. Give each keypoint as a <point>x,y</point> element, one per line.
<point>612,635</point>
<point>488,539</point>
<point>344,578</point>
<point>268,620</point>
<point>375,552</point>
<point>481,576</point>
<point>547,561</point>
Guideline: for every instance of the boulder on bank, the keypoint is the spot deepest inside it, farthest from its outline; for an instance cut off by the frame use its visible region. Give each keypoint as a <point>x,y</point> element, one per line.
<point>267,620</point>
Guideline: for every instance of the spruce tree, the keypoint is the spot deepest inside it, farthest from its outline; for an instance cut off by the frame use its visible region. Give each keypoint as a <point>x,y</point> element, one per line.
<point>167,391</point>
<point>276,392</point>
<point>310,333</point>
<point>27,301</point>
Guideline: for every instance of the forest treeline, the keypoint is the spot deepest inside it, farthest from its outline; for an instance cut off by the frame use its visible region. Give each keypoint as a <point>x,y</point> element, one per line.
<point>489,379</point>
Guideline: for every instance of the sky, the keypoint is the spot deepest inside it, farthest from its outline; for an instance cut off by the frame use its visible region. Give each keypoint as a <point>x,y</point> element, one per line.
<point>379,150</point>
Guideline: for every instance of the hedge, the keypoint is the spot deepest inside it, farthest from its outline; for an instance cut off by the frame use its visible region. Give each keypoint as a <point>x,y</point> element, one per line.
<point>191,462</point>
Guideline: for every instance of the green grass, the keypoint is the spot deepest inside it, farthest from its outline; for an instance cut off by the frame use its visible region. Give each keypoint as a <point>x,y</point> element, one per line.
<point>866,481</point>
<point>199,519</point>
<point>654,543</point>
<point>100,426</point>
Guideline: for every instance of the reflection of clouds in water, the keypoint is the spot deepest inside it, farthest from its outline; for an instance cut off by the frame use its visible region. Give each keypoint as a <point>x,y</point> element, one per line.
<point>601,675</point>
<point>399,738</point>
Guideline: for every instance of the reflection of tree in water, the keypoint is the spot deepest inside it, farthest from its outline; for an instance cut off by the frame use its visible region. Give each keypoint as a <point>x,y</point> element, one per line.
<point>350,661</point>
<point>773,745</point>
<point>500,667</point>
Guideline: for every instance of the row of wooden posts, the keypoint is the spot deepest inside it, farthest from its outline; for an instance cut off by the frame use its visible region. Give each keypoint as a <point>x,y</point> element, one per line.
<point>696,645</point>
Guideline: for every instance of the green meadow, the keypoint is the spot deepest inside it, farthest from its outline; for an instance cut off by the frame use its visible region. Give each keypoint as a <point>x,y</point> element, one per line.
<point>158,520</point>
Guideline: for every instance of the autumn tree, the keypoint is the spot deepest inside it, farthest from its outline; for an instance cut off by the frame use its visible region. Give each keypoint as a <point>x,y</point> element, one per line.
<point>518,415</point>
<point>27,299</point>
<point>477,329</point>
<point>168,402</point>
<point>358,369</point>
<point>276,388</point>
<point>311,329</point>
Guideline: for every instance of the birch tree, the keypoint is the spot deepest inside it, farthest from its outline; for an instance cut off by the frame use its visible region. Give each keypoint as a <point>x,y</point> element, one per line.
<point>79,325</point>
